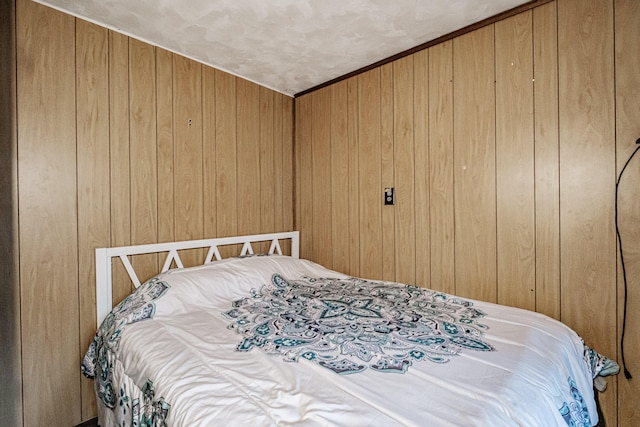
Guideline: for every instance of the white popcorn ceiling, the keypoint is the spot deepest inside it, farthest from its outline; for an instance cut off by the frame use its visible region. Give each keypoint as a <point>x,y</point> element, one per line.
<point>286,45</point>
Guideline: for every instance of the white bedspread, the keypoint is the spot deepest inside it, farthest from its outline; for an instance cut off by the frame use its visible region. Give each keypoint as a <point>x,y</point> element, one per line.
<point>189,353</point>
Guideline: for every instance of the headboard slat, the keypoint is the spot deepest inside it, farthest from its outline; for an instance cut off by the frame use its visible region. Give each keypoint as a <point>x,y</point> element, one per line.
<point>275,247</point>
<point>213,252</point>
<point>132,273</point>
<point>247,249</point>
<point>172,256</point>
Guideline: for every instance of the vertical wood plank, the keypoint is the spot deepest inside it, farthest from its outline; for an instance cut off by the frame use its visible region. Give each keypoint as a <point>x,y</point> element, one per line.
<point>340,176</point>
<point>404,155</point>
<point>209,169</point>
<point>387,171</point>
<point>143,153</point>
<point>587,177</point>
<point>248,155</point>
<point>267,174</point>
<point>92,118</point>
<point>283,168</point>
<point>421,145</point>
<point>515,162</point>
<point>354,175</point>
<point>627,64</point>
<point>48,216</point>
<point>474,163</point>
<point>587,159</point>
<point>278,158</point>
<point>226,157</point>
<point>370,180</point>
<point>165,144</point>
<point>321,181</point>
<point>120,179</point>
<point>188,177</point>
<point>441,187</point>
<point>120,176</point>
<point>304,175</point>
<point>547,168</point>
<point>287,166</point>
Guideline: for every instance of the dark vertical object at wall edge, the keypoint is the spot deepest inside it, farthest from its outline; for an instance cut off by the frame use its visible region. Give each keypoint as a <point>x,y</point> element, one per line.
<point>10,361</point>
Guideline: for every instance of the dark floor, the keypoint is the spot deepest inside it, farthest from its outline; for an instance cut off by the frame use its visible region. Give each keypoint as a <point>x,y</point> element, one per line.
<point>90,423</point>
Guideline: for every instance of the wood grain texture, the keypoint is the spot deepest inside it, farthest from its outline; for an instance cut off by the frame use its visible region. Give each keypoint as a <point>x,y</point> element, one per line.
<point>547,166</point>
<point>119,161</point>
<point>143,153</point>
<point>321,179</point>
<point>165,146</point>
<point>627,64</point>
<point>287,165</point>
<point>188,174</point>
<point>92,148</point>
<point>587,171</point>
<point>504,158</point>
<point>278,156</point>
<point>474,165</point>
<point>586,123</point>
<point>248,155</point>
<point>49,303</point>
<point>354,171</point>
<point>209,170</point>
<point>441,176</point>
<point>304,174</point>
<point>404,175</point>
<point>101,157</point>
<point>268,201</point>
<point>369,175</point>
<point>387,160</point>
<point>340,176</point>
<point>422,167</point>
<point>515,174</point>
<point>226,156</point>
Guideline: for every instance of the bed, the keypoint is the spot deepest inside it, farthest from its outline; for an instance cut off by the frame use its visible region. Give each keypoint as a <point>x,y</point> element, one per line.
<point>274,340</point>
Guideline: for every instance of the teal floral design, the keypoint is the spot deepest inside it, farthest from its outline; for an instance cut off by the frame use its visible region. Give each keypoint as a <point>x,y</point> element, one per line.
<point>97,363</point>
<point>576,413</point>
<point>145,412</point>
<point>150,412</point>
<point>598,364</point>
<point>349,325</point>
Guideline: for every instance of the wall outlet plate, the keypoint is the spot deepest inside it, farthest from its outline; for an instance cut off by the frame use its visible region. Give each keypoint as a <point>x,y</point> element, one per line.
<point>389,196</point>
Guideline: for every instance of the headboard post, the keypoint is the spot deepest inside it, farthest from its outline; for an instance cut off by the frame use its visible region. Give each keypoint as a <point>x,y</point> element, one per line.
<point>104,289</point>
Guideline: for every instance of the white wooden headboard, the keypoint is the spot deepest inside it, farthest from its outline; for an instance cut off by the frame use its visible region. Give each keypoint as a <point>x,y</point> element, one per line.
<point>104,257</point>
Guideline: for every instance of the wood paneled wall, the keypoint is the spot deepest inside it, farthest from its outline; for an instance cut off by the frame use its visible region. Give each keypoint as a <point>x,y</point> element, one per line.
<point>503,146</point>
<point>121,143</point>
<point>627,131</point>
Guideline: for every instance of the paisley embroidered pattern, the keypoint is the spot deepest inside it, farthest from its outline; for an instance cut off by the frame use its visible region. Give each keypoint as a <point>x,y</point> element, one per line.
<point>600,365</point>
<point>349,325</point>
<point>576,413</point>
<point>143,411</point>
<point>98,361</point>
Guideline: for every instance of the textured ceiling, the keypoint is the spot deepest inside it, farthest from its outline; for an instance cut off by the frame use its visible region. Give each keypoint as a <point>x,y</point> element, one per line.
<point>286,45</point>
